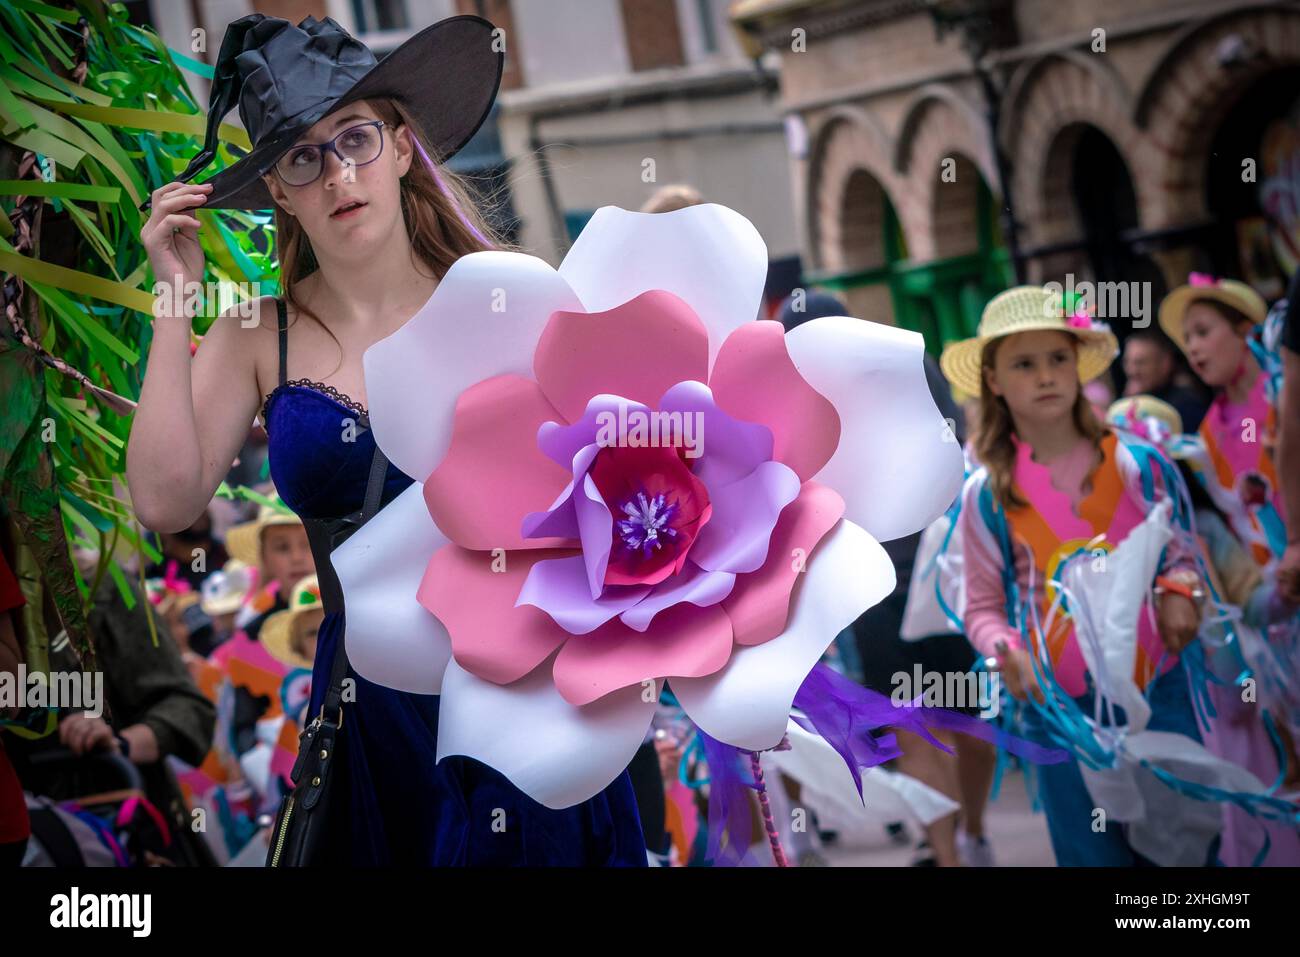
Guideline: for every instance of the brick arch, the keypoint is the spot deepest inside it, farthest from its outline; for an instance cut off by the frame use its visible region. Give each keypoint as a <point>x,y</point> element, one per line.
<point>1187,93</point>
<point>939,124</point>
<point>954,208</point>
<point>938,118</point>
<point>849,178</point>
<point>1029,75</point>
<point>1053,96</point>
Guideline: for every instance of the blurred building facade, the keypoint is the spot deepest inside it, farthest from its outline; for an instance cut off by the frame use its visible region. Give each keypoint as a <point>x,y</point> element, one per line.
<point>602,102</point>
<point>1138,140</point>
<point>620,97</point>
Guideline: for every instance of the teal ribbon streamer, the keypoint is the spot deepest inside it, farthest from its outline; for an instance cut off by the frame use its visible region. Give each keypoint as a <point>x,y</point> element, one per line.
<point>197,67</point>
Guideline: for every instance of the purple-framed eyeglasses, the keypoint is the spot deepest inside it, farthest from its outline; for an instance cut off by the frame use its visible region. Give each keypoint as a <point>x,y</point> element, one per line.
<point>355,146</point>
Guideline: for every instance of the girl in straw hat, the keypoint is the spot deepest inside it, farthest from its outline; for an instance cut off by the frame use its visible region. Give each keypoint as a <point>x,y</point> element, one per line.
<point>1237,730</point>
<point>1210,320</point>
<point>1054,480</point>
<point>275,543</point>
<point>289,636</point>
<point>368,222</point>
<point>1215,322</point>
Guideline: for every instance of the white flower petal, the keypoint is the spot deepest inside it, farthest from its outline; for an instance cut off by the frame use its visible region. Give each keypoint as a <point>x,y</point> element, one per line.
<point>898,465</point>
<point>709,255</point>
<point>558,754</point>
<point>390,638</point>
<point>747,703</point>
<point>828,786</point>
<point>483,320</point>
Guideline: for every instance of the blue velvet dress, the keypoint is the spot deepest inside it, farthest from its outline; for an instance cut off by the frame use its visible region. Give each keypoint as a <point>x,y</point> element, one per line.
<point>396,806</point>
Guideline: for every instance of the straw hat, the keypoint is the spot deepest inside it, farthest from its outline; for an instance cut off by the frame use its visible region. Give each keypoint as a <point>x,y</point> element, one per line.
<point>225,589</point>
<point>1027,309</point>
<point>244,541</point>
<point>1230,292</point>
<point>277,631</point>
<point>1134,408</point>
<point>1154,420</point>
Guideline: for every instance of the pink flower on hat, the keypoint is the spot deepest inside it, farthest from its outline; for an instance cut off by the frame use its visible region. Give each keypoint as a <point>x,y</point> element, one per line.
<point>1080,320</point>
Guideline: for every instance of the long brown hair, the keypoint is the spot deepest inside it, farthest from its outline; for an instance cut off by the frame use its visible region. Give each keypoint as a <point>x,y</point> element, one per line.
<point>993,439</point>
<point>440,222</point>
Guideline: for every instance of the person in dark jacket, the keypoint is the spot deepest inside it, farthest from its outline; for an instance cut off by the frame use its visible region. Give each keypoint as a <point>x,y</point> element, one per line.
<point>152,708</point>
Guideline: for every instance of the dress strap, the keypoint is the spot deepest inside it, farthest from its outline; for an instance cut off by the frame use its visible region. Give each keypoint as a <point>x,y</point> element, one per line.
<point>282,324</point>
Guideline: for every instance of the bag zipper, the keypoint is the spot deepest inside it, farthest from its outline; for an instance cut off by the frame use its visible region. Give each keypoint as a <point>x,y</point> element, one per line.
<point>284,828</point>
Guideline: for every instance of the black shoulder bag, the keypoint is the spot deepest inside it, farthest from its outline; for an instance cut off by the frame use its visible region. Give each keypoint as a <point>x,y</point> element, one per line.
<point>298,838</point>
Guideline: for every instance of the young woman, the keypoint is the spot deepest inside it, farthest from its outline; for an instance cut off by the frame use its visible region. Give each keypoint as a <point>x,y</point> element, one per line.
<point>364,232</point>
<point>1052,479</point>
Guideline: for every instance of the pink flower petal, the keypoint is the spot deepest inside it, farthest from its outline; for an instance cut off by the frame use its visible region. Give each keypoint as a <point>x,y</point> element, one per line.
<point>473,594</point>
<point>759,604</point>
<point>755,379</point>
<point>684,640</point>
<point>494,474</point>
<point>745,513</point>
<point>710,255</point>
<point>637,350</point>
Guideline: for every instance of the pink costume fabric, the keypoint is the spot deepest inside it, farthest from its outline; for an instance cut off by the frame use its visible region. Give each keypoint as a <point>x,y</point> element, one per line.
<point>1056,491</point>
<point>1237,734</point>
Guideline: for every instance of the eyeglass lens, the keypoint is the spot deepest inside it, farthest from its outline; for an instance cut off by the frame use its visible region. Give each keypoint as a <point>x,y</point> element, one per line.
<point>358,145</point>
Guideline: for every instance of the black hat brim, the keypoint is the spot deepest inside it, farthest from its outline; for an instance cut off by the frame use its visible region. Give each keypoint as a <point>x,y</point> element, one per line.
<point>447,77</point>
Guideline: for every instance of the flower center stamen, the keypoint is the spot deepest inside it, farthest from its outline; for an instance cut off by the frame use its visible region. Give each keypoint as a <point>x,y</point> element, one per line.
<point>647,524</point>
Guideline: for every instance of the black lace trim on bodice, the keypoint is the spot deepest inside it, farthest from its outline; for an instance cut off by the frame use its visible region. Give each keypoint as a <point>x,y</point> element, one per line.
<point>329,390</point>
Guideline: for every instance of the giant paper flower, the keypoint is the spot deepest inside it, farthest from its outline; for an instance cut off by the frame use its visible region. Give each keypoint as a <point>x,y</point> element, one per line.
<point>622,477</point>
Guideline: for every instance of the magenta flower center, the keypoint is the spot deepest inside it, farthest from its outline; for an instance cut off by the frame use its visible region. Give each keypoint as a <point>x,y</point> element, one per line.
<point>658,507</point>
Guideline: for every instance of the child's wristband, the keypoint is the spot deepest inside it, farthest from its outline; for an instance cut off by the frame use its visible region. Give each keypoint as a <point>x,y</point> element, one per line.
<point>1180,586</point>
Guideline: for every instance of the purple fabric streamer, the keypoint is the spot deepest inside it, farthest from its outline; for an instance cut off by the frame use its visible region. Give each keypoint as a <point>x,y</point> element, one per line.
<point>433,171</point>
<point>730,784</point>
<point>845,713</point>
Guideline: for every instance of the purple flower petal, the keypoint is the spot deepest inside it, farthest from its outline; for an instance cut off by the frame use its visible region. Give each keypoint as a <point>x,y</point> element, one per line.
<point>744,515</point>
<point>731,448</point>
<point>694,584</point>
<point>558,586</point>
<point>562,442</point>
<point>596,527</point>
<point>731,457</point>
<point>561,519</point>
<point>558,521</point>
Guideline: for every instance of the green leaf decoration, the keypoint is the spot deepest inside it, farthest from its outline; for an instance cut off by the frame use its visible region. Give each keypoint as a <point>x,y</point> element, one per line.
<point>95,114</point>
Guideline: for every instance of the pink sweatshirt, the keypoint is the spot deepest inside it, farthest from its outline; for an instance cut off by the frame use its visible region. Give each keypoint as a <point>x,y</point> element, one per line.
<point>986,607</point>
<point>985,617</point>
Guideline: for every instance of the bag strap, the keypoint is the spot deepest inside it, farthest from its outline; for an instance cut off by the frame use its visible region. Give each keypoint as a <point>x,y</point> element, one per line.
<point>331,707</point>
<point>282,326</point>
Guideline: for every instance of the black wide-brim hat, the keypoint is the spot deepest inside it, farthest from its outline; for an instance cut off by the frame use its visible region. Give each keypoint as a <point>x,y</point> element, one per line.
<point>286,79</point>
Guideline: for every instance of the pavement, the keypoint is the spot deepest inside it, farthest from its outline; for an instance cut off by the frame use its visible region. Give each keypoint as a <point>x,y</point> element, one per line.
<point>1019,836</point>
